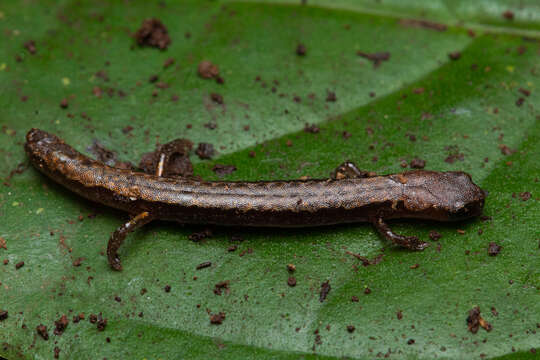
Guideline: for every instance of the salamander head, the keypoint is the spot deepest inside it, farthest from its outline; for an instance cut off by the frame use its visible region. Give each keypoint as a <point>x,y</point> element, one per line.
<point>44,148</point>
<point>444,196</point>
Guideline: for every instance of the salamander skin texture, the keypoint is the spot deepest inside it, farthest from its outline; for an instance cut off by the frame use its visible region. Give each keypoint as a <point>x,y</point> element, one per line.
<point>442,196</point>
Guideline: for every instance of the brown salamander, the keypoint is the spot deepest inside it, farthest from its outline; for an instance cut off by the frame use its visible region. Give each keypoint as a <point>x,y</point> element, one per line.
<point>350,196</point>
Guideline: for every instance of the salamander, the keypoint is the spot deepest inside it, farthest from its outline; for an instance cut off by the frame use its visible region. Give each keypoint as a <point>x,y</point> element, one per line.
<point>350,195</point>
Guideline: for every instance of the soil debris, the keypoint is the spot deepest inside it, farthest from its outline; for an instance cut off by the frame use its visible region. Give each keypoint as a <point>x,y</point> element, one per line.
<point>494,249</point>
<point>313,128</point>
<point>222,170</point>
<point>365,261</point>
<point>377,58</point>
<point>207,70</point>
<point>221,286</point>
<point>508,15</point>
<point>331,96</point>
<point>291,267</point>
<point>42,331</point>
<point>291,281</point>
<point>423,24</point>
<point>301,50</point>
<point>203,265</point>
<point>434,235</point>
<point>61,325</point>
<point>101,322</point>
<point>200,235</point>
<point>30,45</point>
<point>475,321</point>
<point>325,289</point>
<point>205,151</point>
<point>454,55</point>
<point>217,319</point>
<point>153,33</point>
<point>217,98</point>
<point>418,163</point>
<point>168,62</point>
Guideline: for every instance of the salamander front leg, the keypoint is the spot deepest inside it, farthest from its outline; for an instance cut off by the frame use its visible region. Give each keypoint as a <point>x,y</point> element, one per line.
<point>348,170</point>
<point>409,242</point>
<point>117,237</point>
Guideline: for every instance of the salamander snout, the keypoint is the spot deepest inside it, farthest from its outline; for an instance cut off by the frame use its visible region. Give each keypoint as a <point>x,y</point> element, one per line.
<point>469,199</point>
<point>37,135</point>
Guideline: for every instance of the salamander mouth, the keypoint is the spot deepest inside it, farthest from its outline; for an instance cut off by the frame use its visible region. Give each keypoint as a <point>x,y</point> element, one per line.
<point>470,210</point>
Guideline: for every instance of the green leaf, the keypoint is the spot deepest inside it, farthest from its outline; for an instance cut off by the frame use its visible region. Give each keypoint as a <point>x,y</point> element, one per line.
<point>419,103</point>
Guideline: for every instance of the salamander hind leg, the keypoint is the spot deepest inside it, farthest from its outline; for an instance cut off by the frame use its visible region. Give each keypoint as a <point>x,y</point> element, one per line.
<point>117,237</point>
<point>349,170</point>
<point>409,242</point>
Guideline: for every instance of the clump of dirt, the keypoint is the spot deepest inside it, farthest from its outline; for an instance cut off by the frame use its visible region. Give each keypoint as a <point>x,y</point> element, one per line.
<point>207,70</point>
<point>423,24</point>
<point>508,15</point>
<point>494,249</point>
<point>217,98</point>
<point>222,170</point>
<point>203,265</point>
<point>454,55</point>
<point>331,96</point>
<point>475,321</point>
<point>101,322</point>
<point>205,151</point>
<point>434,235</point>
<point>30,45</point>
<point>217,319</point>
<point>291,281</point>
<point>153,33</point>
<point>377,58</point>
<point>314,129</point>
<point>301,50</point>
<point>221,286</point>
<point>200,235</point>
<point>42,331</point>
<point>418,163</point>
<point>325,289</point>
<point>61,325</point>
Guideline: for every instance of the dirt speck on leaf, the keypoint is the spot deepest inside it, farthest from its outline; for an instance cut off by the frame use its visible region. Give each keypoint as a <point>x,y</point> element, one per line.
<point>61,325</point>
<point>377,58</point>
<point>205,151</point>
<point>217,319</point>
<point>325,289</point>
<point>475,321</point>
<point>153,33</point>
<point>222,170</point>
<point>207,70</point>
<point>301,50</point>
<point>494,249</point>
<point>42,331</point>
